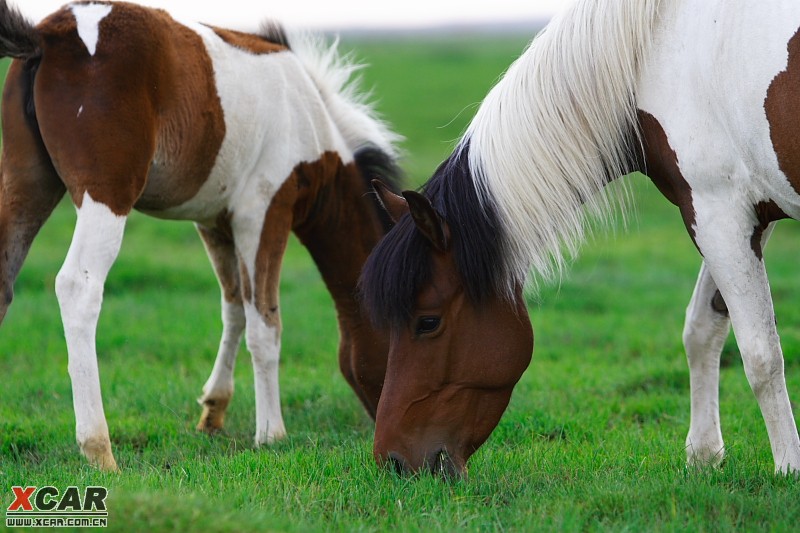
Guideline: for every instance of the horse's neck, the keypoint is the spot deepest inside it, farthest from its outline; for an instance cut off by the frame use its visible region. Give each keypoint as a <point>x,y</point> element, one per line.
<point>339,231</point>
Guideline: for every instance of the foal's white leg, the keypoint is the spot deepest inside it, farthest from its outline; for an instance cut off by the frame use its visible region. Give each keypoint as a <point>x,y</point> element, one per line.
<point>218,390</point>
<point>704,334</point>
<point>264,343</point>
<point>706,328</point>
<point>261,246</point>
<point>725,238</point>
<point>79,287</point>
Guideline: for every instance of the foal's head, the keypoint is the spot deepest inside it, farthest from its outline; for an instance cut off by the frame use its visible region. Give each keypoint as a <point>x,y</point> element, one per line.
<point>458,344</point>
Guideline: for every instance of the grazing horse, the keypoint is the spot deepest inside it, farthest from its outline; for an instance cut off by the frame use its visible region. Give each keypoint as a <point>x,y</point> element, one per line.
<point>703,96</point>
<point>249,136</point>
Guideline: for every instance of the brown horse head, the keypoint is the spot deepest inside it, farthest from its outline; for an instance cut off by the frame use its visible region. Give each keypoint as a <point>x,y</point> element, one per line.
<point>458,344</point>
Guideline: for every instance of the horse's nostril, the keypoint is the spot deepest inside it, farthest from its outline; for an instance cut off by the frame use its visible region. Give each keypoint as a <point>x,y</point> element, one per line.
<point>441,464</point>
<point>398,463</point>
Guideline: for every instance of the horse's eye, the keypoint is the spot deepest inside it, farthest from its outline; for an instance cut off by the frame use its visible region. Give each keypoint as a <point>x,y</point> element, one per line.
<point>427,324</point>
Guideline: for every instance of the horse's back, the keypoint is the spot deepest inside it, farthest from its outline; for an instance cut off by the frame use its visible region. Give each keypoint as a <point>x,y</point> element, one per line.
<point>723,81</point>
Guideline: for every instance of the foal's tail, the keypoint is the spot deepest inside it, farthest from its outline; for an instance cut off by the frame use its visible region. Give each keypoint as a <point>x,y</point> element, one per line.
<point>18,35</point>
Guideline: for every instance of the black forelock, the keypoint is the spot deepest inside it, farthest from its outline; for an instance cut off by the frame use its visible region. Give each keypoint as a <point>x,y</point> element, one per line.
<point>400,265</point>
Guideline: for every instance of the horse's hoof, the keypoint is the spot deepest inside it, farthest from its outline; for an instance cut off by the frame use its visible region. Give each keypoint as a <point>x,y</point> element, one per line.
<point>270,437</point>
<point>213,417</point>
<point>98,452</point>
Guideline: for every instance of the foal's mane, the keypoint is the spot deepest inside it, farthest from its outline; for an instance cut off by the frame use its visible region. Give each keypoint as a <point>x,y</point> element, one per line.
<point>373,143</point>
<point>350,107</point>
<point>273,32</point>
<point>545,142</point>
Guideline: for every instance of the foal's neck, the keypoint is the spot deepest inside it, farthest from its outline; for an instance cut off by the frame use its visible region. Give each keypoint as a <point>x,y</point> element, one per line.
<point>339,225</point>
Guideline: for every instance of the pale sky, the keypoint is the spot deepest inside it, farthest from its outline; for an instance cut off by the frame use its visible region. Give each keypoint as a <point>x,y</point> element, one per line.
<point>337,14</point>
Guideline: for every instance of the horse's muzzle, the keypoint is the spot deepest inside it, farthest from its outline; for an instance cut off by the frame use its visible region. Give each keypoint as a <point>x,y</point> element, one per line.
<point>439,463</point>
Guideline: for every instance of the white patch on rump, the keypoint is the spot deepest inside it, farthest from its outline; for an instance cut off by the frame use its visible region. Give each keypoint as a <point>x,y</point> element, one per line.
<point>88,17</point>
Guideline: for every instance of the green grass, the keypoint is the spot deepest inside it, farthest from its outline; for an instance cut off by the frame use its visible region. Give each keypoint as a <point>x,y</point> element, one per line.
<point>592,440</point>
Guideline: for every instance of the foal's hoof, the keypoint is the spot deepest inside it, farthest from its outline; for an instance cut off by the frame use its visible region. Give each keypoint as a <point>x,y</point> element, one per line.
<point>213,417</point>
<point>705,457</point>
<point>98,453</point>
<point>275,433</point>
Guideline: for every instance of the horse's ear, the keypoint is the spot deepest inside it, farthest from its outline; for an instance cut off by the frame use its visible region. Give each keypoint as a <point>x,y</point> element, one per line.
<point>394,204</point>
<point>428,221</point>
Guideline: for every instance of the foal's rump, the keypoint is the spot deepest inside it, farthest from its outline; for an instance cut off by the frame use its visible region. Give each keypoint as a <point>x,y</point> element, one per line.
<point>99,109</point>
<point>129,106</point>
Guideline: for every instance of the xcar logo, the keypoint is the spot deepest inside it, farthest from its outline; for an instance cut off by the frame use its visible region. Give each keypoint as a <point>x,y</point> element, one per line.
<point>48,507</point>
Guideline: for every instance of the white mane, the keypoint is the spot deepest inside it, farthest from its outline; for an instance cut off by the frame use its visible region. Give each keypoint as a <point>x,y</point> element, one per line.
<point>350,108</point>
<point>557,127</point>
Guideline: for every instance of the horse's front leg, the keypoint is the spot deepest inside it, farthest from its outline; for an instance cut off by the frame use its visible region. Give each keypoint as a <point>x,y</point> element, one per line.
<point>218,390</point>
<point>261,244</point>
<point>730,243</point>
<point>79,287</point>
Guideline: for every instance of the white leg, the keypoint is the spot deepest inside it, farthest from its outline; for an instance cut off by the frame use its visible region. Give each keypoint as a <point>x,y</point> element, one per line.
<point>218,390</point>
<point>704,334</point>
<point>79,287</point>
<point>261,246</point>
<point>264,344</point>
<point>724,237</point>
<point>706,328</point>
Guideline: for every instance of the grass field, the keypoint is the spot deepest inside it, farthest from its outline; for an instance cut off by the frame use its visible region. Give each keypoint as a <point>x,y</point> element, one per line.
<point>592,440</point>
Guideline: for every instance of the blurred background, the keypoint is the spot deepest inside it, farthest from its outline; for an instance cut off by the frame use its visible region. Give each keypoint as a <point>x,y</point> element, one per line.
<point>342,14</point>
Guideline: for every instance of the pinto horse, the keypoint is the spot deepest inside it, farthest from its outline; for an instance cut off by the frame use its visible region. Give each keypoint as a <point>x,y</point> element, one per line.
<point>703,96</point>
<point>249,136</point>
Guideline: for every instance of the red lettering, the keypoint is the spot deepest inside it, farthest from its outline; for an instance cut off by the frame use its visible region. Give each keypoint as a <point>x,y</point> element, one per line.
<point>22,498</point>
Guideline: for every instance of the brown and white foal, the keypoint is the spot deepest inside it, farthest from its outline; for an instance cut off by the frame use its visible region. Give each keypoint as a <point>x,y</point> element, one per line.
<point>248,136</point>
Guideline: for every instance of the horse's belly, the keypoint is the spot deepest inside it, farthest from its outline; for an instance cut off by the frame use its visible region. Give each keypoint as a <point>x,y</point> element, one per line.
<point>159,199</point>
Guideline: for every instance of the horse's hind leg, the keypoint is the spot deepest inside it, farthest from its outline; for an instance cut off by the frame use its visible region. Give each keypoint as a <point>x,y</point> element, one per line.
<point>103,156</point>
<point>29,185</point>
<point>704,333</point>
<point>79,288</point>
<point>706,328</point>
<point>218,390</point>
<point>733,255</point>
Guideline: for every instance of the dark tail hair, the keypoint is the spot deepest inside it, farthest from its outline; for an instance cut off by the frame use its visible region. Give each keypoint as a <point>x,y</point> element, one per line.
<point>18,35</point>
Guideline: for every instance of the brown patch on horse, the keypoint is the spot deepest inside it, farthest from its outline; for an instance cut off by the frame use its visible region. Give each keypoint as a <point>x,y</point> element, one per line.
<point>249,42</point>
<point>781,108</point>
<point>766,213</point>
<point>140,122</point>
<point>269,257</point>
<point>221,249</point>
<point>660,164</point>
<point>244,279</point>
